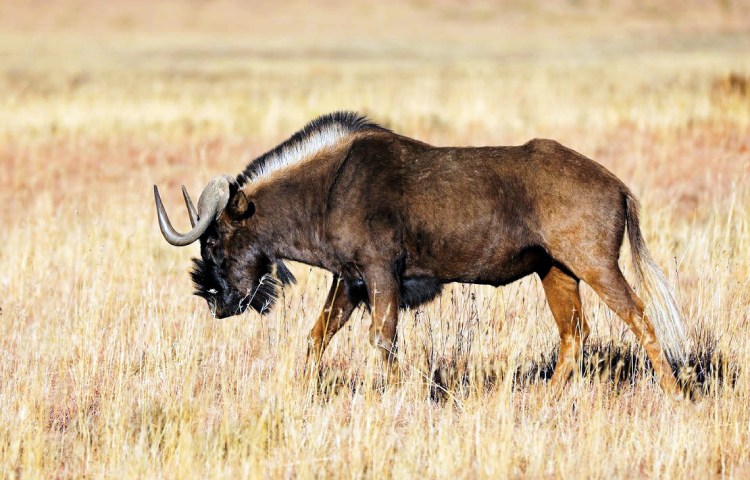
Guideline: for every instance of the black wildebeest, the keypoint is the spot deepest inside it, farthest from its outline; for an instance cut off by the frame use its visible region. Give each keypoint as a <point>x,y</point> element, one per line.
<point>394,219</point>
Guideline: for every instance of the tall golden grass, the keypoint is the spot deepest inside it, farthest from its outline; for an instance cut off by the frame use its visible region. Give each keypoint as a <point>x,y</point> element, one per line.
<point>110,368</point>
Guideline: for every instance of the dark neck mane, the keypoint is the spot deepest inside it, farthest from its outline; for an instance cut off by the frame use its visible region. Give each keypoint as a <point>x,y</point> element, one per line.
<point>322,132</point>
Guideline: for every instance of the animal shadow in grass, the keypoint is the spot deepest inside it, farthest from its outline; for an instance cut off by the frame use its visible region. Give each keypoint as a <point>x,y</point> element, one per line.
<point>706,371</point>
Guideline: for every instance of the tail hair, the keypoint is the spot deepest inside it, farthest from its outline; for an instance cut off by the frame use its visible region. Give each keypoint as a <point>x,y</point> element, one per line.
<point>664,312</point>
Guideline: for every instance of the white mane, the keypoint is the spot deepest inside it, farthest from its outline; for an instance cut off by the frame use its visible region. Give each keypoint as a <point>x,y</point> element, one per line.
<point>321,133</point>
<point>296,152</point>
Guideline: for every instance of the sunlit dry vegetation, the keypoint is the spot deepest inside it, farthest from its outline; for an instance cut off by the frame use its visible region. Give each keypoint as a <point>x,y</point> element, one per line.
<point>108,365</point>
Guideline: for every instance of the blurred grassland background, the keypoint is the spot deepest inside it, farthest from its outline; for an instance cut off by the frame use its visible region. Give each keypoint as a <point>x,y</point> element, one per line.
<point>110,368</point>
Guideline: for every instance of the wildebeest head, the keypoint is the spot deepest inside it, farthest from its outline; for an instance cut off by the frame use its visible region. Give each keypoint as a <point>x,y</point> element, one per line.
<point>233,272</point>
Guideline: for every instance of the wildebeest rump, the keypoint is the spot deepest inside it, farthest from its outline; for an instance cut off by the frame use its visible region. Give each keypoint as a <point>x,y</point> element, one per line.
<point>394,219</point>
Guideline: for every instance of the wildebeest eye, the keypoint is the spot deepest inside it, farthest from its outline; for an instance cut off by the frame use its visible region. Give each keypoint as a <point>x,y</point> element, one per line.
<point>211,242</point>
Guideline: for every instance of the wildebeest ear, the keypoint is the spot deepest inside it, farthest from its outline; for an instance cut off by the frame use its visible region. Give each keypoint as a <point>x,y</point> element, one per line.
<point>240,207</point>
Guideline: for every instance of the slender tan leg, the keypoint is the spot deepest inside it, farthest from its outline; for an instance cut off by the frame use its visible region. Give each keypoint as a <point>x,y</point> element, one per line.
<point>336,312</point>
<point>382,289</point>
<point>564,301</point>
<point>613,288</point>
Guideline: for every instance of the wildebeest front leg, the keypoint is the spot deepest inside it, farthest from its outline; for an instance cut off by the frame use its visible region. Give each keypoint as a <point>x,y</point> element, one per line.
<point>336,312</point>
<point>382,288</point>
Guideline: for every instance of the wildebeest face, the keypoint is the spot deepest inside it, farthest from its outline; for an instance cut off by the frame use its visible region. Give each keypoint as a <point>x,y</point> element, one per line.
<point>232,279</point>
<point>232,274</point>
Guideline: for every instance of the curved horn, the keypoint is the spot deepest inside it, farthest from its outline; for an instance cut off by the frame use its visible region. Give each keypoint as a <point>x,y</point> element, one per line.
<point>211,203</point>
<point>191,209</point>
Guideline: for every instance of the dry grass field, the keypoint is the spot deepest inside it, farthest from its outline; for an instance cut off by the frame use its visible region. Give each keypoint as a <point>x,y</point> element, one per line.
<point>109,367</point>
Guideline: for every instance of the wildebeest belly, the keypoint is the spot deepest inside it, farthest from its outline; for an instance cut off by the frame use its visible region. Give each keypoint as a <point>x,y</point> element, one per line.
<point>414,291</point>
<point>472,242</point>
<point>419,289</point>
<point>488,270</point>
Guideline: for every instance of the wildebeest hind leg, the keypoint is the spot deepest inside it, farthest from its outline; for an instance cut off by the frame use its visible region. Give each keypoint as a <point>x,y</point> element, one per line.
<point>613,288</point>
<point>564,300</point>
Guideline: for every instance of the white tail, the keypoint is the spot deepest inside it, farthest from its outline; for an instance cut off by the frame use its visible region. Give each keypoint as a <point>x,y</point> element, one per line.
<point>662,308</point>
